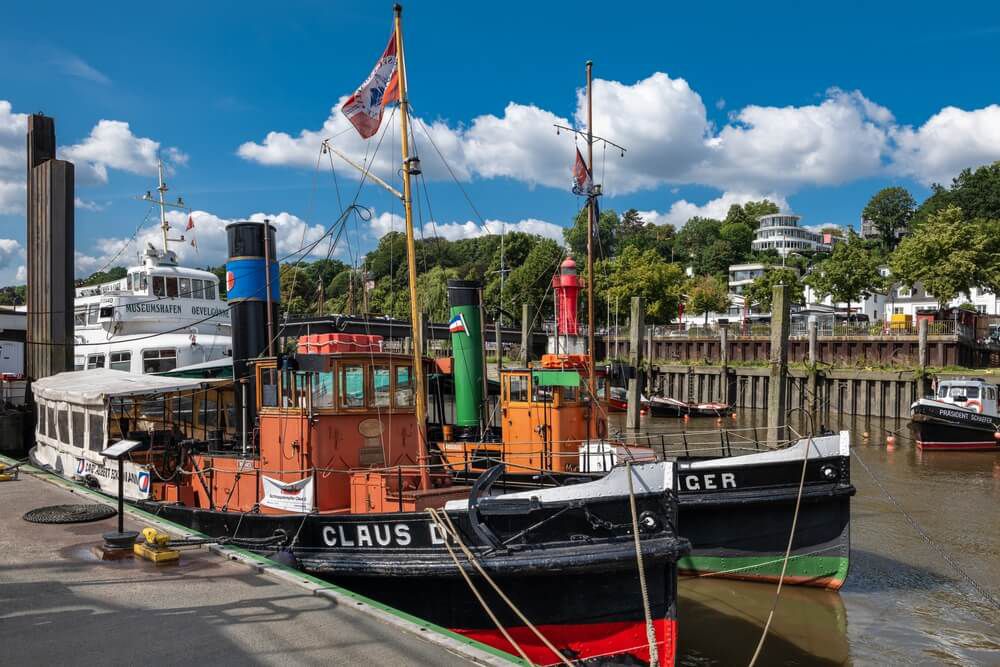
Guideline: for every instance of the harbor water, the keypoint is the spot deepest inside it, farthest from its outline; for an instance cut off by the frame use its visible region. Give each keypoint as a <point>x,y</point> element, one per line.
<point>904,603</point>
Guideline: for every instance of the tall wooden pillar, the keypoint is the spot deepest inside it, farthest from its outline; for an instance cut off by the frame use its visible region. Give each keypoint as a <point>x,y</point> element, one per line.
<point>50,217</point>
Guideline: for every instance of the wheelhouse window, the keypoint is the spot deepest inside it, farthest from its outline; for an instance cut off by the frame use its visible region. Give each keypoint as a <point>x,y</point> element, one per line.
<point>157,361</point>
<point>52,429</point>
<point>541,393</point>
<point>352,387</point>
<point>380,386</point>
<point>128,282</point>
<point>171,286</point>
<point>95,432</point>
<point>322,390</point>
<point>139,283</point>
<point>517,388</point>
<point>269,387</point>
<point>405,393</point>
<point>93,313</point>
<point>210,289</point>
<point>121,361</point>
<point>197,288</point>
<point>184,287</point>
<point>95,361</point>
<point>159,286</point>
<point>40,427</point>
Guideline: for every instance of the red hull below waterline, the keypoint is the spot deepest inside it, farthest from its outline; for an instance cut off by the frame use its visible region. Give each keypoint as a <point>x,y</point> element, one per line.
<point>958,446</point>
<point>585,641</point>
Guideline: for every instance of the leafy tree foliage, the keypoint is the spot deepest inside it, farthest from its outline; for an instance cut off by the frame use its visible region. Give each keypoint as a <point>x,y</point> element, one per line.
<point>850,274</point>
<point>750,213</point>
<point>707,294</point>
<point>605,243</point>
<point>13,296</point>
<point>949,256</point>
<point>890,210</point>
<point>114,273</point>
<point>759,292</point>
<point>635,272</point>
<point>976,192</point>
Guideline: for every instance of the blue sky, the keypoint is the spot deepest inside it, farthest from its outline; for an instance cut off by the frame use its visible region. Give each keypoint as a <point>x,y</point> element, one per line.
<point>818,106</point>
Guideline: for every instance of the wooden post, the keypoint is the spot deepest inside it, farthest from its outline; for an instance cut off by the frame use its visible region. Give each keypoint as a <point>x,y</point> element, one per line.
<point>499,339</point>
<point>424,333</point>
<point>649,358</point>
<point>777,397</point>
<point>921,357</point>
<point>525,333</point>
<point>636,329</point>
<point>724,365</point>
<point>812,400</point>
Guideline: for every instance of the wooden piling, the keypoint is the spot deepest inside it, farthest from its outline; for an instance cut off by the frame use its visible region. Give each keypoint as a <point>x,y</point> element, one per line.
<point>777,398</point>
<point>637,326</point>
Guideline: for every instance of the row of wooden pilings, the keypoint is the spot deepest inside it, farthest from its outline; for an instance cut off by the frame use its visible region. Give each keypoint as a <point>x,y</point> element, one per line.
<point>817,388</point>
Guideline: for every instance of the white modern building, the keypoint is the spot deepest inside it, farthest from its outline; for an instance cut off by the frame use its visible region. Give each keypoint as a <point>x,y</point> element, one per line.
<point>781,232</point>
<point>741,275</point>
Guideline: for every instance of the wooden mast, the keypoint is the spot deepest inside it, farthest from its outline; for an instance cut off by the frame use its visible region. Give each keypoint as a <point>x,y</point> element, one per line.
<point>416,334</point>
<point>591,223</point>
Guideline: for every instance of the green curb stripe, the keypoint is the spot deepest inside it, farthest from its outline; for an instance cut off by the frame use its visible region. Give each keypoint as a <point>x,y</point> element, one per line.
<point>320,583</point>
<point>810,567</point>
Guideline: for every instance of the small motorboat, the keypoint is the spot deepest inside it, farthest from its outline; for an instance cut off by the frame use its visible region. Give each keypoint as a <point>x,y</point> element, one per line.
<point>659,406</point>
<point>618,400</point>
<point>961,415</point>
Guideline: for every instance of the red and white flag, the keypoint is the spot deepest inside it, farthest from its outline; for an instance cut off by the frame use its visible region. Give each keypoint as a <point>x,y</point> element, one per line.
<point>190,224</point>
<point>364,108</point>
<point>583,183</point>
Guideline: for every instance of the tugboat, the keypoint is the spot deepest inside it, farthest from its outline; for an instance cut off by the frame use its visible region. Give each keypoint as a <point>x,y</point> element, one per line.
<point>329,463</point>
<point>961,415</point>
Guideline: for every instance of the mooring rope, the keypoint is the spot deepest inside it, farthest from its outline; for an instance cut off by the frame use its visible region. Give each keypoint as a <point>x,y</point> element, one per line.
<point>450,530</point>
<point>920,531</point>
<point>650,630</point>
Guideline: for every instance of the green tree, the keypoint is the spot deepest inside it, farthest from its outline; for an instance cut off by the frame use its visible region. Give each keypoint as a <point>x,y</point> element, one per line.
<point>605,243</point>
<point>758,293</point>
<point>98,277</point>
<point>948,257</point>
<point>750,213</point>
<point>976,192</point>
<point>694,243</point>
<point>529,282</point>
<point>890,210</point>
<point>644,273</point>
<point>707,294</point>
<point>849,274</point>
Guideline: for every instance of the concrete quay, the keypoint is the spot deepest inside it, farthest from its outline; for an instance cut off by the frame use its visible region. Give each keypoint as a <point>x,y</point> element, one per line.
<point>60,604</point>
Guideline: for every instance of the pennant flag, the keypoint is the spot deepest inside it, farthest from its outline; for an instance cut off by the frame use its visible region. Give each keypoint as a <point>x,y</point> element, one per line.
<point>457,325</point>
<point>583,184</point>
<point>194,244</point>
<point>364,108</point>
<point>190,224</point>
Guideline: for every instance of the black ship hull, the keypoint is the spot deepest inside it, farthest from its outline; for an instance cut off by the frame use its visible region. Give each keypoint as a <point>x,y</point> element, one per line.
<point>941,426</point>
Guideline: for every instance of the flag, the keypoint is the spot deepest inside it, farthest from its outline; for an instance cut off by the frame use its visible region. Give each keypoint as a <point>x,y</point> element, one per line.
<point>364,108</point>
<point>457,325</point>
<point>190,224</point>
<point>583,184</point>
<point>194,244</point>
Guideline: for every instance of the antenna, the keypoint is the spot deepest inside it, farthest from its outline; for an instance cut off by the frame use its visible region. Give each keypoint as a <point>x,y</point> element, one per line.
<point>163,204</point>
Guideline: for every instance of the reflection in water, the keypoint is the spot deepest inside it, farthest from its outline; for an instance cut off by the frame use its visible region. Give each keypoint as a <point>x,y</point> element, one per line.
<point>906,604</point>
<point>721,621</point>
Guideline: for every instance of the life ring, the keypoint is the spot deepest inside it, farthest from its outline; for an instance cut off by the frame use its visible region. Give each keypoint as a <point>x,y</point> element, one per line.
<point>602,428</point>
<point>976,404</point>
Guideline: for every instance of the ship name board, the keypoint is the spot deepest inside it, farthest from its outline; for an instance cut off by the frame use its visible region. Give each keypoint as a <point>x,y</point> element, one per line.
<point>153,307</point>
<point>208,311</point>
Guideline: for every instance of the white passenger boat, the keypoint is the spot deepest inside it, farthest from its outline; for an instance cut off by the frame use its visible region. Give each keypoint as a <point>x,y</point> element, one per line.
<point>160,316</point>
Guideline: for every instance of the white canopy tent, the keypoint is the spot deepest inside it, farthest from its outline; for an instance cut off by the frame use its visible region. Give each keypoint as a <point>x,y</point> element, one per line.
<point>93,387</point>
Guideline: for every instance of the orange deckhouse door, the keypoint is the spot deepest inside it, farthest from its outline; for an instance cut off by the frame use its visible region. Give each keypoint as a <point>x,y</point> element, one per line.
<point>523,424</point>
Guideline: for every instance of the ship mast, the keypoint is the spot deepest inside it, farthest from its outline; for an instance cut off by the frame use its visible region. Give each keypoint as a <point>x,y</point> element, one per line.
<point>591,223</point>
<point>412,166</point>
<point>164,204</point>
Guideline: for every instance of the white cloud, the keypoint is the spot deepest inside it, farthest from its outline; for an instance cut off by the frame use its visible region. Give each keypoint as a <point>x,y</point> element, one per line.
<point>949,141</point>
<point>11,253</point>
<point>12,131</point>
<point>89,205</point>
<point>75,66</point>
<point>291,233</point>
<point>683,210</point>
<point>22,275</point>
<point>387,222</point>
<point>111,143</point>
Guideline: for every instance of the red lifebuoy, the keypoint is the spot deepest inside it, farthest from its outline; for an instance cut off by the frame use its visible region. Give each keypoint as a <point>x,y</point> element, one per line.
<point>976,404</point>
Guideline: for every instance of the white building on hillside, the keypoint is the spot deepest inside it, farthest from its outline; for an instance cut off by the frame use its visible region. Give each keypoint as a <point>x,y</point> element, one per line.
<point>781,232</point>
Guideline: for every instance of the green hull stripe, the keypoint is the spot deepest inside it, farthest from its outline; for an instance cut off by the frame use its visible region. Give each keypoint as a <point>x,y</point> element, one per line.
<point>809,567</point>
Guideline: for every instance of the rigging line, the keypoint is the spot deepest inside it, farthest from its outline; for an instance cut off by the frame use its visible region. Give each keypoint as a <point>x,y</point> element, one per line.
<point>482,222</point>
<point>920,531</point>
<point>125,245</point>
<point>305,228</point>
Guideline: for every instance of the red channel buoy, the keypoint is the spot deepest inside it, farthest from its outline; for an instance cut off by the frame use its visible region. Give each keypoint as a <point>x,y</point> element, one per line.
<point>996,436</point>
<point>890,441</point>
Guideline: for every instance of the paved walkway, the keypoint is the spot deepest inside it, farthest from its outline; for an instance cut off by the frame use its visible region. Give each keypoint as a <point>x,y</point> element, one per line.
<point>59,604</point>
